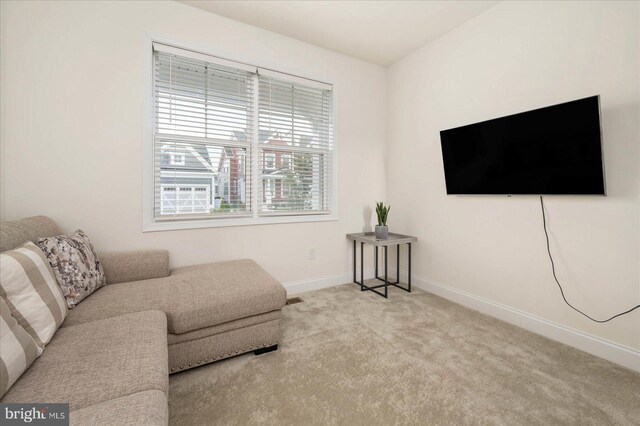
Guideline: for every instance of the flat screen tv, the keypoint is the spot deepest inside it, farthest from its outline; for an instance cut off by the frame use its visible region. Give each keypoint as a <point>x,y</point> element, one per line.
<point>555,150</point>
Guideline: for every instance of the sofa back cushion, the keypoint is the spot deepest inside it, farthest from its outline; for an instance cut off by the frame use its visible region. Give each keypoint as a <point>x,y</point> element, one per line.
<point>14,234</point>
<point>17,349</point>
<point>75,264</point>
<point>29,288</point>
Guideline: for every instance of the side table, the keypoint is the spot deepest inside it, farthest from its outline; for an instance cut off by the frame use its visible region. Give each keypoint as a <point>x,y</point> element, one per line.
<point>392,240</point>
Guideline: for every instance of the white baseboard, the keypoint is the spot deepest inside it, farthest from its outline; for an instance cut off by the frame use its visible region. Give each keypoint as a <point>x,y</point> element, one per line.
<point>594,345</point>
<point>315,284</point>
<point>319,283</point>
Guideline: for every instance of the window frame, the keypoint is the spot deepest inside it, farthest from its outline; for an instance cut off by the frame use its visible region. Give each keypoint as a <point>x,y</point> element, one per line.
<point>149,222</point>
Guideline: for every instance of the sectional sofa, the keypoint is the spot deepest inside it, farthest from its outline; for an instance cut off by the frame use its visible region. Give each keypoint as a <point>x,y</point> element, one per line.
<point>111,358</point>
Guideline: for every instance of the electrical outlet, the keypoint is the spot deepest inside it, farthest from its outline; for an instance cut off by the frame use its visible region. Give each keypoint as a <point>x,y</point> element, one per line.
<point>312,253</point>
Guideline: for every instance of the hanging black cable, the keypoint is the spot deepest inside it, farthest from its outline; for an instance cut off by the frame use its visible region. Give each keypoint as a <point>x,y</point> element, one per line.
<point>553,269</point>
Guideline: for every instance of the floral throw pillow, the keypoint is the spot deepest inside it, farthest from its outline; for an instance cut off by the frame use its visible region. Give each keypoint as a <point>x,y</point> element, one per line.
<point>75,264</point>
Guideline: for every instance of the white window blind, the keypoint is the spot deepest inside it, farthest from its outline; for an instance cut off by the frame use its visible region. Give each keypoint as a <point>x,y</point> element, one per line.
<point>203,118</point>
<point>232,140</point>
<point>295,147</point>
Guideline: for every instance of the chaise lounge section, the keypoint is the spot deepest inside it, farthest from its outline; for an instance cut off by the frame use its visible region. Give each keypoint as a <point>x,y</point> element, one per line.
<point>213,311</point>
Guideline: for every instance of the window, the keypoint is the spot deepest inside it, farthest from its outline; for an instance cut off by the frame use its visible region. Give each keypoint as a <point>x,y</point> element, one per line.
<point>233,141</point>
<point>270,161</point>
<point>177,159</point>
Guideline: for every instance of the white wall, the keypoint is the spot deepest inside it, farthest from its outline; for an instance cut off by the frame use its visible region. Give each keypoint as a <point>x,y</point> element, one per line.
<point>515,57</point>
<point>72,95</point>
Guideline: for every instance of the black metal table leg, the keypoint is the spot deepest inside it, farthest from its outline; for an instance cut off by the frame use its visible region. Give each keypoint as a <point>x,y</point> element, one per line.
<point>386,270</point>
<point>361,266</point>
<point>409,276</point>
<point>354,262</point>
<point>398,264</point>
<point>376,249</point>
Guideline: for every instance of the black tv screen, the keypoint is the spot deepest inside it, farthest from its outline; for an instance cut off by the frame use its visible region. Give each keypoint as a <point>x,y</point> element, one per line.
<point>555,150</point>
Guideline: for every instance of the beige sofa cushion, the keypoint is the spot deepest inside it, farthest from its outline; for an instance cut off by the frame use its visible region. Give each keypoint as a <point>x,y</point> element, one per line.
<point>193,297</point>
<point>15,233</point>
<point>122,267</point>
<point>216,293</point>
<point>174,339</point>
<point>95,362</point>
<point>149,408</point>
<point>28,286</point>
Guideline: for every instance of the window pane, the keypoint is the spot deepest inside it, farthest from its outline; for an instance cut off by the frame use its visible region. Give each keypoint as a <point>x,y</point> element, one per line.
<point>203,120</point>
<point>194,98</point>
<point>288,115</point>
<point>295,147</point>
<point>212,179</point>
<point>294,183</point>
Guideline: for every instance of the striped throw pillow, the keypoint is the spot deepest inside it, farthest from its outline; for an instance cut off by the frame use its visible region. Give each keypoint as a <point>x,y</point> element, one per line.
<point>17,349</point>
<point>28,286</point>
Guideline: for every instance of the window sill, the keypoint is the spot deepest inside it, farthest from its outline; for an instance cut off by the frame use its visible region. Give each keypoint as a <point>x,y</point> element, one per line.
<point>153,226</point>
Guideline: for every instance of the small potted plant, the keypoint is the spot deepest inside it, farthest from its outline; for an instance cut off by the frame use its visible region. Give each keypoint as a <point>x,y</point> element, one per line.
<point>382,211</point>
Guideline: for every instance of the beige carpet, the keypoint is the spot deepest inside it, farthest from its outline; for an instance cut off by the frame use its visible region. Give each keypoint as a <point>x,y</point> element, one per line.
<point>352,358</point>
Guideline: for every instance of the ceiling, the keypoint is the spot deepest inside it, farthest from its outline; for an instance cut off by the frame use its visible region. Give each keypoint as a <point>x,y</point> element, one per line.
<point>380,32</point>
